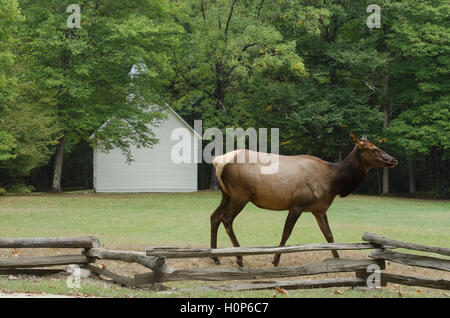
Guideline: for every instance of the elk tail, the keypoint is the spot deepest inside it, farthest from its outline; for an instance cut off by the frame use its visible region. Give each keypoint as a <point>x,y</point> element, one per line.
<point>219,163</point>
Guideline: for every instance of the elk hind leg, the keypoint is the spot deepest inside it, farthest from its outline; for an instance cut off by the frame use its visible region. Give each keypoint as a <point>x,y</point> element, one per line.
<point>232,210</point>
<point>216,218</point>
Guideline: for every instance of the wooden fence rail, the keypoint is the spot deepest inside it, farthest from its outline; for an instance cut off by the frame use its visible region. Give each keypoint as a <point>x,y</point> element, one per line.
<point>410,260</point>
<point>92,251</point>
<point>379,240</point>
<point>416,281</point>
<point>154,259</point>
<point>38,265</point>
<point>290,284</point>
<point>55,242</point>
<point>154,263</point>
<point>382,251</point>
<point>234,273</point>
<point>180,252</point>
<point>42,261</point>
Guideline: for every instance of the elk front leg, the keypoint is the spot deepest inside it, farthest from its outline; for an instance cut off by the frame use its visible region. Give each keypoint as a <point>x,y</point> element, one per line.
<point>291,219</point>
<point>322,220</point>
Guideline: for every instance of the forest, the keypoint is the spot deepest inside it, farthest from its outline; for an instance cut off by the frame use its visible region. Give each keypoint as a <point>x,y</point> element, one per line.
<point>315,69</point>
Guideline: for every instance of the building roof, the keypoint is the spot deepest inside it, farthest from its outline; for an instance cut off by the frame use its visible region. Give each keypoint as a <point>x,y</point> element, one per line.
<point>184,122</point>
<point>171,110</point>
<point>135,70</point>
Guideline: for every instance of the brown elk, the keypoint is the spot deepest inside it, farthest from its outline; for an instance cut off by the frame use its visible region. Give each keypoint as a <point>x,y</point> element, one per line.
<point>300,184</point>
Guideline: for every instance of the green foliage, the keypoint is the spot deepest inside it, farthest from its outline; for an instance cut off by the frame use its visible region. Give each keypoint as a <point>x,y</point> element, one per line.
<point>227,45</point>
<point>9,18</point>
<point>84,72</point>
<point>20,189</point>
<point>309,67</point>
<point>344,70</point>
<point>7,144</point>
<point>33,133</point>
<point>420,42</point>
<point>422,128</point>
<point>26,131</point>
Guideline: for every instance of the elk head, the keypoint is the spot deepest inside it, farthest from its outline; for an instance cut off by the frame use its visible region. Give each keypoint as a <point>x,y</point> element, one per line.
<point>371,155</point>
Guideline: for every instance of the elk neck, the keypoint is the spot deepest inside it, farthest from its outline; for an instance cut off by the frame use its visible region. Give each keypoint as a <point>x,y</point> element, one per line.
<point>348,174</point>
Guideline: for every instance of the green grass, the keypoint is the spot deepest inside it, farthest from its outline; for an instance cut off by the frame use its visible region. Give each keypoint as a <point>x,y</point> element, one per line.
<point>95,289</point>
<point>183,219</point>
<point>134,221</point>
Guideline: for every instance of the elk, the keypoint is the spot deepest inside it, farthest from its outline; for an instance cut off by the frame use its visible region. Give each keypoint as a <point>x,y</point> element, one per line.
<point>301,184</point>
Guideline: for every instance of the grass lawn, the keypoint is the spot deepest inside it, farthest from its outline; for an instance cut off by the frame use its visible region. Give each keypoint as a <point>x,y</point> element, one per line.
<point>135,221</point>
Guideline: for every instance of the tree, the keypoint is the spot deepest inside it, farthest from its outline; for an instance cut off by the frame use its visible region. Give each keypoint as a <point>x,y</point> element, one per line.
<point>228,46</point>
<point>26,131</point>
<point>9,18</point>
<point>340,95</point>
<point>85,71</point>
<point>420,43</point>
<point>34,134</point>
<point>233,44</point>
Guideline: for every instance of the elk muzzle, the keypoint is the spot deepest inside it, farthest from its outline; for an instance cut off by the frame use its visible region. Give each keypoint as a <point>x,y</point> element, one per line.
<point>388,161</point>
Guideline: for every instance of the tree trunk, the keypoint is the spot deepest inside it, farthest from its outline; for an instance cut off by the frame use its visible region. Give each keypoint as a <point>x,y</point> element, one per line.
<point>219,96</point>
<point>412,178</point>
<point>443,173</point>
<point>385,181</point>
<point>445,177</point>
<point>57,172</point>
<point>386,111</point>
<point>87,184</point>
<point>379,181</point>
<point>219,93</point>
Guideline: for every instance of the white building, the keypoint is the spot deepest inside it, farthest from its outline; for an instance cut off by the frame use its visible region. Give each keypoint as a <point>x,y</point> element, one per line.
<point>153,169</point>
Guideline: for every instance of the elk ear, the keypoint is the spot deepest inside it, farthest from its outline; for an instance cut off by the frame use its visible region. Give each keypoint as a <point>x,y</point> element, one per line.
<point>364,137</point>
<point>358,142</point>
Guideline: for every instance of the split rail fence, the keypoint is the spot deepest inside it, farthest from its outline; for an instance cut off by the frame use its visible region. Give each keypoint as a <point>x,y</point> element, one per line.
<point>256,278</point>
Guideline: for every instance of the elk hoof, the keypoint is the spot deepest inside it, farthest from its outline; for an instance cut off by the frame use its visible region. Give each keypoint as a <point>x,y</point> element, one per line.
<point>240,262</point>
<point>216,261</point>
<point>276,260</point>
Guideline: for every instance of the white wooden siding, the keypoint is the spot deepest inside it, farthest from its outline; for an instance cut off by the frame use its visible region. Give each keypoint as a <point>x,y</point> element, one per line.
<point>152,169</point>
